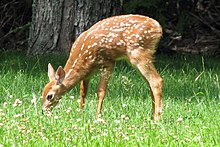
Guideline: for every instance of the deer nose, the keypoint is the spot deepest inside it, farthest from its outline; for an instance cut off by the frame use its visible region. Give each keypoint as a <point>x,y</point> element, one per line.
<point>46,110</point>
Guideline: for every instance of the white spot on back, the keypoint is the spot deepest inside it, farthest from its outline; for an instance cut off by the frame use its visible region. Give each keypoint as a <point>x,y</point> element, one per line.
<point>82,47</point>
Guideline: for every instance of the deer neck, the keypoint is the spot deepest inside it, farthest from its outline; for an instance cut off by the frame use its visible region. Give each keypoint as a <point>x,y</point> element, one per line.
<point>74,70</point>
<point>73,75</point>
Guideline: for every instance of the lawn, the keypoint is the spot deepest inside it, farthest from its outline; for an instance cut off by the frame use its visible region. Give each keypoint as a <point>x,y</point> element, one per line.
<point>191,105</point>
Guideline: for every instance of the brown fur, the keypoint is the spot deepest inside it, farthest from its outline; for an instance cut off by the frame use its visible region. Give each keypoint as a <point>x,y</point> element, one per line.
<point>131,37</point>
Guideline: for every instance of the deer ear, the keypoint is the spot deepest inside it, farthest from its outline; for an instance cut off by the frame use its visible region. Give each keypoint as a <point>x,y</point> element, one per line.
<point>60,75</point>
<point>50,72</point>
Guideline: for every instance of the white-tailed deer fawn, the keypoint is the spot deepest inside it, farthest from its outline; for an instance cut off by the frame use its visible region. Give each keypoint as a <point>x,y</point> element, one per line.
<point>131,37</point>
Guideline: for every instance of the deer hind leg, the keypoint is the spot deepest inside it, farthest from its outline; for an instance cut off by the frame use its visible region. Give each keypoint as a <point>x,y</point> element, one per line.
<point>144,64</point>
<point>155,81</point>
<point>83,93</point>
<point>102,86</point>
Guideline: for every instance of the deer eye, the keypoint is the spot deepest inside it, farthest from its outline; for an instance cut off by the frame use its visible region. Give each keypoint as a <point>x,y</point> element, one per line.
<point>49,97</point>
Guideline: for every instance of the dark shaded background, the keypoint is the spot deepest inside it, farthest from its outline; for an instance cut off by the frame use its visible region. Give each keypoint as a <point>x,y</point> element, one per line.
<point>190,26</point>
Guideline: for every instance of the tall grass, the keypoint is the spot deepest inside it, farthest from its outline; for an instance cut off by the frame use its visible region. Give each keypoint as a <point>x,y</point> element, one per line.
<point>191,102</point>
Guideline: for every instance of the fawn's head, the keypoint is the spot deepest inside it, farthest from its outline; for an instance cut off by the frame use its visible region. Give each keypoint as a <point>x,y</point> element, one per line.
<point>54,89</point>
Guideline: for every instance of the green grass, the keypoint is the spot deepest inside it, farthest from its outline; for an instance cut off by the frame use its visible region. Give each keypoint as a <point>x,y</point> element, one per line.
<point>191,100</point>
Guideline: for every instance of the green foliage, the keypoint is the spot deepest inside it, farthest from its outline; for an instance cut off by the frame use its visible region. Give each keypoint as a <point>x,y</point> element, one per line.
<point>191,106</point>
<point>148,8</point>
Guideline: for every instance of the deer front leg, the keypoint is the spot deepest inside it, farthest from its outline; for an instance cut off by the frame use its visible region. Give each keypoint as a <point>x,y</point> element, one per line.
<point>83,93</point>
<point>102,86</point>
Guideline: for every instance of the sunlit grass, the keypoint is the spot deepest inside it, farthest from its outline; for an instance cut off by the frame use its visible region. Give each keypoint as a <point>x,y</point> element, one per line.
<point>191,101</point>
